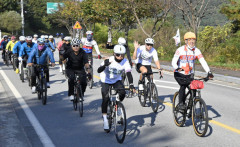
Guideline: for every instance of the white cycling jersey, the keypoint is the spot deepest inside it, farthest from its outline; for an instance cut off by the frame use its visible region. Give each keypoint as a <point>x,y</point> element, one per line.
<point>185,58</point>
<point>88,45</point>
<point>145,57</point>
<point>113,72</point>
<point>34,41</point>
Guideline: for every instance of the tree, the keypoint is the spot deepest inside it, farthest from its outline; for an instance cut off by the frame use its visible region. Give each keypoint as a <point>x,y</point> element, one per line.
<point>193,11</point>
<point>10,21</point>
<point>8,5</point>
<point>232,11</point>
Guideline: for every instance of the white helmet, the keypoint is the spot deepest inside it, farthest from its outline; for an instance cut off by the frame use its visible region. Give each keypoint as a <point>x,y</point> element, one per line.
<point>149,41</point>
<point>22,38</point>
<point>121,41</point>
<point>51,36</point>
<point>42,36</point>
<point>119,49</point>
<point>35,36</point>
<point>67,38</point>
<point>29,38</point>
<point>89,32</point>
<point>46,36</point>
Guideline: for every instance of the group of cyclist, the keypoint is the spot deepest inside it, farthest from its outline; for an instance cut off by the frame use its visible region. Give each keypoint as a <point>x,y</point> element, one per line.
<point>111,69</point>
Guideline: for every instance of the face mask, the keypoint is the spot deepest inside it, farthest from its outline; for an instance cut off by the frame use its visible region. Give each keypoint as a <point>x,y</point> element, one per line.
<point>191,48</point>
<point>117,60</point>
<point>89,37</point>
<point>40,47</point>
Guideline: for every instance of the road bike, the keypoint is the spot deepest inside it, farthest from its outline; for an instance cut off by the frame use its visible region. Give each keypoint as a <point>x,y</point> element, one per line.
<point>41,85</point>
<point>116,115</point>
<point>148,90</point>
<point>78,95</point>
<point>21,71</point>
<point>196,108</point>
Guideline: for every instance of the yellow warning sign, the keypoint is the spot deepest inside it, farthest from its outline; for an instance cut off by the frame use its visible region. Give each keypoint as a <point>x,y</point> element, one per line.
<point>77,26</point>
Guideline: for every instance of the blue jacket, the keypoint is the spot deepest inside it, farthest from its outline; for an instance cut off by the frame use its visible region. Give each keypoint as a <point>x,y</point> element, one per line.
<point>42,60</point>
<point>49,44</point>
<point>26,49</point>
<point>17,47</point>
<point>4,44</point>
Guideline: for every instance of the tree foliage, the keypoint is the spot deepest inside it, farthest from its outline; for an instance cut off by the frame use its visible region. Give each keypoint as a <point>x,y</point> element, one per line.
<point>11,21</point>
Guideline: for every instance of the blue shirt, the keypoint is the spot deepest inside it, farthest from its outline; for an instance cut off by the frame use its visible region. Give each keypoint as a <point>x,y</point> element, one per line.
<point>4,44</point>
<point>17,47</point>
<point>26,49</point>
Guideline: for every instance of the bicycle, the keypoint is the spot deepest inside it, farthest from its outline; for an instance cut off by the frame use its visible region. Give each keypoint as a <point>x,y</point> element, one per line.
<point>149,92</point>
<point>21,71</point>
<point>7,58</point>
<point>90,79</point>
<point>116,115</point>
<point>78,95</point>
<point>129,93</point>
<point>41,85</point>
<point>196,108</point>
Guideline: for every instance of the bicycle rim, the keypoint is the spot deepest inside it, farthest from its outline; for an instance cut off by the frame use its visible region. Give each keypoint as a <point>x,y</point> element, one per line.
<point>22,73</point>
<point>120,123</point>
<point>44,91</point>
<point>154,98</point>
<point>75,100</point>
<point>142,96</point>
<point>7,60</point>
<point>80,100</point>
<point>39,89</point>
<point>200,117</point>
<point>109,116</point>
<point>179,115</point>
<point>14,64</point>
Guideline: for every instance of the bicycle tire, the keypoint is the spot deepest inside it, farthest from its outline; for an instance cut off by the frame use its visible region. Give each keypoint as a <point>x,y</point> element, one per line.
<point>75,100</point>
<point>14,63</point>
<point>39,89</point>
<point>44,91</point>
<point>179,116</point>
<point>90,82</point>
<point>154,98</point>
<point>142,96</point>
<point>120,123</point>
<point>80,101</point>
<point>109,116</point>
<point>29,76</point>
<point>7,59</point>
<point>22,73</point>
<point>200,117</point>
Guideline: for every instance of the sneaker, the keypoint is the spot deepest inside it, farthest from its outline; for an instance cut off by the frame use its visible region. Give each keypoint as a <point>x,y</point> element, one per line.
<point>140,87</point>
<point>105,126</point>
<point>60,69</point>
<point>48,85</point>
<point>71,98</point>
<point>34,89</point>
<point>119,111</point>
<point>17,70</point>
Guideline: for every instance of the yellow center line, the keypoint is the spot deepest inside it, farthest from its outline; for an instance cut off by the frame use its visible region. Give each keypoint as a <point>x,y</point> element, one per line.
<point>211,121</point>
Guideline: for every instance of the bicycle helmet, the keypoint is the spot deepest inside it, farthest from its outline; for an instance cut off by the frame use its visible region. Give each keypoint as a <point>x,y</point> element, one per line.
<point>41,40</point>
<point>51,37</point>
<point>13,38</point>
<point>75,41</point>
<point>22,38</point>
<point>46,36</point>
<point>189,35</point>
<point>35,36</point>
<point>5,36</point>
<point>149,41</point>
<point>89,32</point>
<point>28,38</point>
<point>119,49</point>
<point>42,36</point>
<point>121,41</point>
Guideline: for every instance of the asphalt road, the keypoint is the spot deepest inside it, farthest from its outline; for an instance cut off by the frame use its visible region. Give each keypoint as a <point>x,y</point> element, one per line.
<point>57,124</point>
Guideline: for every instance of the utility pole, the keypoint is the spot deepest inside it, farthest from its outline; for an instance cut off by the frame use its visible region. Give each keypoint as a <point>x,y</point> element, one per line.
<point>22,15</point>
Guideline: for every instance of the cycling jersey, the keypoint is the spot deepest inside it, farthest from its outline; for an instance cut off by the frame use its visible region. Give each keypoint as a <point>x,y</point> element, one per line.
<point>113,72</point>
<point>26,49</point>
<point>4,44</point>
<point>17,47</point>
<point>49,45</point>
<point>88,46</point>
<point>185,58</point>
<point>145,57</point>
<point>10,45</point>
<point>34,40</point>
<point>41,56</point>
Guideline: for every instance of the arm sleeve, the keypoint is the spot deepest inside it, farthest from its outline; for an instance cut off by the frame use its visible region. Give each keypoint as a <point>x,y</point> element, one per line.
<point>50,54</point>
<point>85,58</point>
<point>175,59</point>
<point>21,51</point>
<point>101,68</point>
<point>130,77</point>
<point>128,55</point>
<point>155,56</point>
<point>51,44</point>
<point>96,47</point>
<point>204,64</point>
<point>65,54</point>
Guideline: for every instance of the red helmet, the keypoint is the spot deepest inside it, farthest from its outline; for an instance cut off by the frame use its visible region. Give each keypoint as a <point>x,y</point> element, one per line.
<point>13,38</point>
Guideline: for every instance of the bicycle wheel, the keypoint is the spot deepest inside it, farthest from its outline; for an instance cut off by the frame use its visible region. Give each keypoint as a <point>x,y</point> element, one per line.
<point>22,73</point>
<point>14,63</point>
<point>29,76</point>
<point>179,115</point>
<point>44,91</point>
<point>90,82</point>
<point>142,94</point>
<point>75,100</point>
<point>154,98</point>
<point>80,101</point>
<point>110,116</point>
<point>120,122</point>
<point>39,88</point>
<point>7,59</point>
<point>200,117</point>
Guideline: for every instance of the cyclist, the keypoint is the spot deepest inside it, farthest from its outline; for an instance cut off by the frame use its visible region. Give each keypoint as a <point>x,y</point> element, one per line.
<point>143,57</point>
<point>121,41</point>
<point>57,34</point>
<point>49,43</point>
<point>10,45</point>
<point>65,46</point>
<point>25,50</point>
<point>3,46</point>
<point>16,50</point>
<point>35,37</point>
<point>77,60</point>
<point>111,70</point>
<point>88,44</point>
<point>183,63</point>
<point>38,56</point>
<point>52,40</point>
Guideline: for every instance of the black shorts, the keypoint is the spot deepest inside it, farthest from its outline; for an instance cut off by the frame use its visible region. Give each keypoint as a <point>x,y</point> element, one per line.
<point>149,68</point>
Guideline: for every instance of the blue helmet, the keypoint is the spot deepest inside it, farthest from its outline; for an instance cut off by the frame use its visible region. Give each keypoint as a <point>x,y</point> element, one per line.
<point>41,40</point>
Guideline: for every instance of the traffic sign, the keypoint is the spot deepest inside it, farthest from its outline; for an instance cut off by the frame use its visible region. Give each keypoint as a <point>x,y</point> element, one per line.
<point>53,7</point>
<point>77,26</point>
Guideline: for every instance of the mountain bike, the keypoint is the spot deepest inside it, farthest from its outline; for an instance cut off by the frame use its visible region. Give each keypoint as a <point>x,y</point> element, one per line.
<point>196,108</point>
<point>41,86</point>
<point>90,79</point>
<point>21,71</point>
<point>78,95</point>
<point>148,90</point>
<point>116,115</point>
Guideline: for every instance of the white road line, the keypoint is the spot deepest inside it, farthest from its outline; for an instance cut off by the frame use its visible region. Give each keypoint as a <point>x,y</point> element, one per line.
<point>168,87</point>
<point>223,85</point>
<point>45,139</point>
<point>161,81</point>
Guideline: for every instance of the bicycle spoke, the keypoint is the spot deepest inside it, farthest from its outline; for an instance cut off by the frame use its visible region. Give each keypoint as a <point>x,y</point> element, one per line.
<point>120,122</point>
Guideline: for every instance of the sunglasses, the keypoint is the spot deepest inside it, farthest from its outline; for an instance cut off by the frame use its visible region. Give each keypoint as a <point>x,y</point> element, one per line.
<point>118,55</point>
<point>41,44</point>
<point>149,45</point>
<point>75,45</point>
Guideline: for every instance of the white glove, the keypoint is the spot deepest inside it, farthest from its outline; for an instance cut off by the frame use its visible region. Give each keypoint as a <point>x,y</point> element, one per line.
<point>19,58</point>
